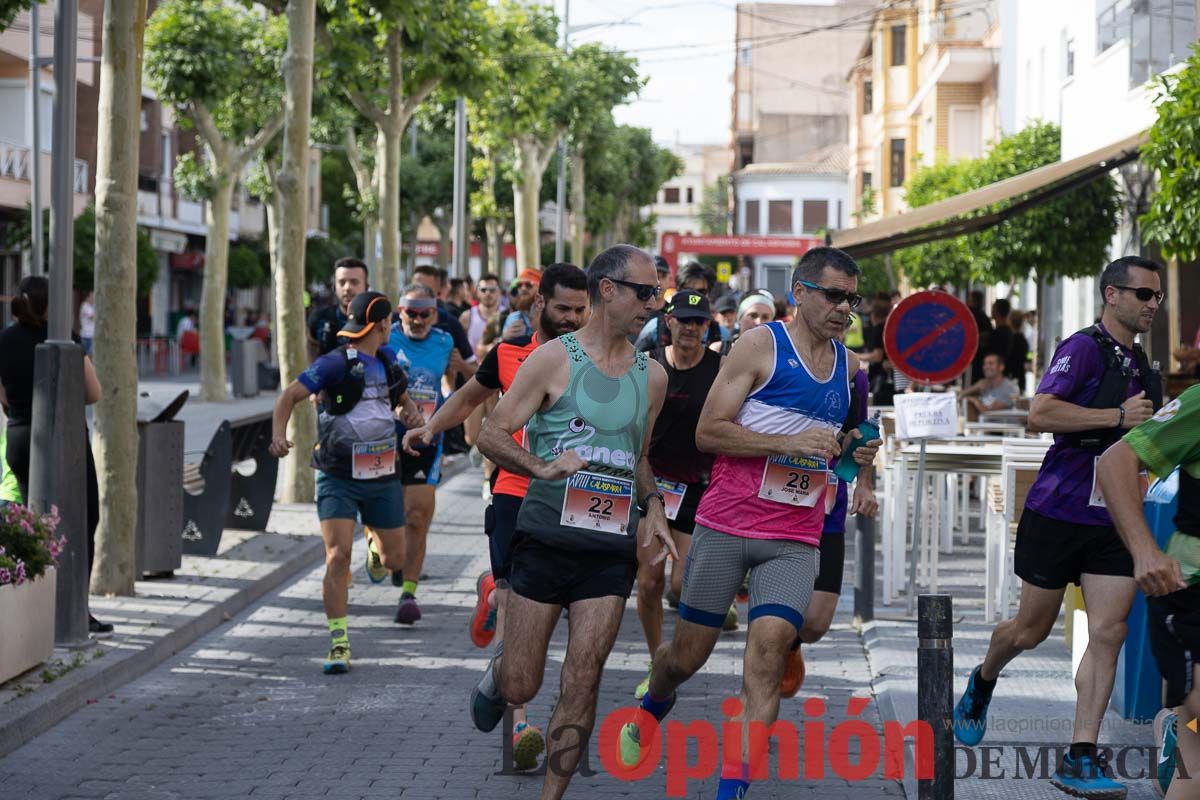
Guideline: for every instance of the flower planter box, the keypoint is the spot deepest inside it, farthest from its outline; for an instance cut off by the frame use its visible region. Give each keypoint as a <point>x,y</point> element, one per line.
<point>26,625</point>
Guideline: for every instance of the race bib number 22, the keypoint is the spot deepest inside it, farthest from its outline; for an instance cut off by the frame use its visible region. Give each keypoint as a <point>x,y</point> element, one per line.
<point>597,503</point>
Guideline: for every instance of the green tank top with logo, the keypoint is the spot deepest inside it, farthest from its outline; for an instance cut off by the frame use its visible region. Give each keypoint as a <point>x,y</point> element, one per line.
<point>603,420</point>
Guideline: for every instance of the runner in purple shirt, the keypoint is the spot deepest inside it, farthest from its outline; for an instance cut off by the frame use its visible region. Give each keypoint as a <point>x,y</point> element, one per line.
<point>1098,386</point>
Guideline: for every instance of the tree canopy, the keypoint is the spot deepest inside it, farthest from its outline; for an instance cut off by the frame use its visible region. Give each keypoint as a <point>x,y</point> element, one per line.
<point>1065,237</point>
<point>1174,153</point>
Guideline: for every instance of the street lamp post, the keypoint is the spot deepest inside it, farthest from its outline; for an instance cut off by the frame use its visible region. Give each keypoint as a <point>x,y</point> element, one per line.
<point>561,199</point>
<point>57,469</point>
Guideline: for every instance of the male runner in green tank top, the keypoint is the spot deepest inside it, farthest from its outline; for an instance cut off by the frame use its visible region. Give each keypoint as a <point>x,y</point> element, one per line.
<point>588,401</point>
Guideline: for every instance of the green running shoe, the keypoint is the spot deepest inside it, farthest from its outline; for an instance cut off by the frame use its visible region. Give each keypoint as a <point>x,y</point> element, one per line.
<point>338,662</point>
<point>644,686</point>
<point>629,743</point>
<point>376,571</point>
<point>731,619</point>
<point>528,744</point>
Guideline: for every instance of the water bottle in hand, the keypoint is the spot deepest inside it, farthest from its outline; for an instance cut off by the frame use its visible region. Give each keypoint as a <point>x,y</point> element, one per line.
<point>847,467</point>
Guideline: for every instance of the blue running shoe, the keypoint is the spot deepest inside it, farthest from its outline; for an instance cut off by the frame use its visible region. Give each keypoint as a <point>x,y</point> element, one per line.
<point>487,708</point>
<point>1168,752</point>
<point>1087,777</point>
<point>970,715</point>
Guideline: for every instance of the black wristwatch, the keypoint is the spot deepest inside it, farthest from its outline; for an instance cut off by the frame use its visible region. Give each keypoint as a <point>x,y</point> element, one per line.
<point>646,500</point>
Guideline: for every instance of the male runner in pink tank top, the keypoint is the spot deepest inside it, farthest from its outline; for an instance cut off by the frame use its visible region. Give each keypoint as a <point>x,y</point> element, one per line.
<point>771,419</point>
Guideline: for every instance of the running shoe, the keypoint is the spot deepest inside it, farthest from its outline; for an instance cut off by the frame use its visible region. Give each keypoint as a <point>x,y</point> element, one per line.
<point>376,571</point>
<point>644,686</point>
<point>970,715</point>
<point>408,612</point>
<point>629,743</point>
<point>1088,777</point>
<point>98,629</point>
<point>338,662</point>
<point>731,619</point>
<point>1165,738</point>
<point>486,710</point>
<point>528,744</point>
<point>793,673</point>
<point>743,592</point>
<point>481,631</point>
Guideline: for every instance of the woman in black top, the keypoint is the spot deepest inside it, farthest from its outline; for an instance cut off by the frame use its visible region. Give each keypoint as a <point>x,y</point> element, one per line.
<point>17,345</point>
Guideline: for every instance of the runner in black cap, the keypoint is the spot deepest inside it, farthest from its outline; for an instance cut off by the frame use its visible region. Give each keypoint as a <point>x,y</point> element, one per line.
<point>680,469</point>
<point>356,454</point>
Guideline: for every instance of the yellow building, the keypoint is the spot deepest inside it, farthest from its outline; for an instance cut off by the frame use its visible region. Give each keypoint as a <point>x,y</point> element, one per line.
<point>924,86</point>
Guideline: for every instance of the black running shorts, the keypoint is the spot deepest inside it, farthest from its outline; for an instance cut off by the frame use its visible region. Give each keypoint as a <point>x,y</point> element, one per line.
<point>1051,553</point>
<point>555,576</point>
<point>1175,640</point>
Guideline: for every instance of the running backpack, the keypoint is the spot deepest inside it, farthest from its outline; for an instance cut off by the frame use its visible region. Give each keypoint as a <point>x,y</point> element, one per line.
<point>344,396</point>
<point>1114,386</point>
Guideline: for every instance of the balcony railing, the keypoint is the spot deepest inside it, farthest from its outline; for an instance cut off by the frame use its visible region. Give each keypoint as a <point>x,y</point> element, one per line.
<point>963,22</point>
<point>14,165</point>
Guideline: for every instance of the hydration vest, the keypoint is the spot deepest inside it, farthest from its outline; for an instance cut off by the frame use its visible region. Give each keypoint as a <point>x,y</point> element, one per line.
<point>1114,387</point>
<point>342,397</point>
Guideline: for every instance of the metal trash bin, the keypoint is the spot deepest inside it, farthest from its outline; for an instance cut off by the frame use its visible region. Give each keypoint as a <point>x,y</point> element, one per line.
<point>158,548</point>
<point>246,355</point>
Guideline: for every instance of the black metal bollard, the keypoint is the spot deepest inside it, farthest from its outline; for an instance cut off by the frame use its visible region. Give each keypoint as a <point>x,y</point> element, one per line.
<point>935,690</point>
<point>864,568</point>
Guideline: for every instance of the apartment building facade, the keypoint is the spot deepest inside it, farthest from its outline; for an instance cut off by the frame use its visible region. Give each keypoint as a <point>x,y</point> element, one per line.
<point>925,86</point>
<point>176,225</point>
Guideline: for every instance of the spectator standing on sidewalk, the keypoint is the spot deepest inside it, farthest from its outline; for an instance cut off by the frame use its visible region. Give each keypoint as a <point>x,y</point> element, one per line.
<point>87,323</point>
<point>17,345</point>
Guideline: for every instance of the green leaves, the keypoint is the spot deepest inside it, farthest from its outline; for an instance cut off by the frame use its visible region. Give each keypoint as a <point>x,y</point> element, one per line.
<point>1173,152</point>
<point>224,57</point>
<point>1065,237</point>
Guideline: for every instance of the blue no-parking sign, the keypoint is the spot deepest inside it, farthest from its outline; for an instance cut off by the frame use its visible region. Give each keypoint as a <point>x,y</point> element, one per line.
<point>931,337</point>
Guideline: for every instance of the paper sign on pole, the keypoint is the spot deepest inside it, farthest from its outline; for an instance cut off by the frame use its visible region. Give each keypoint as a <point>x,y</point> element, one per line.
<point>926,415</point>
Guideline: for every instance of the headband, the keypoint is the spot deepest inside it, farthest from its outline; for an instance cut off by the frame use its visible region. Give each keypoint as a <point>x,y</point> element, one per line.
<point>418,302</point>
<point>755,299</point>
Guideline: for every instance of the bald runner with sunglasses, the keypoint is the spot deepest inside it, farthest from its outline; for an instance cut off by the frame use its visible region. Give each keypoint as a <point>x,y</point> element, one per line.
<point>587,402</point>
<point>771,420</point>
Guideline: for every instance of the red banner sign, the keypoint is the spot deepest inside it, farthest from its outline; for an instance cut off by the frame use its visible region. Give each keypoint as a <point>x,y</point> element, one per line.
<point>673,244</point>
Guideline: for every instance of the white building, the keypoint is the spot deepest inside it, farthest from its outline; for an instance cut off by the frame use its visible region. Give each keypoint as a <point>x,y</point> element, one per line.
<point>1089,66</point>
<point>678,204</point>
<point>805,197</point>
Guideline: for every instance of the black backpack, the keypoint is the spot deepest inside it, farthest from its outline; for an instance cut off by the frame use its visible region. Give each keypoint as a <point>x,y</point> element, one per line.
<point>342,397</point>
<point>1114,387</point>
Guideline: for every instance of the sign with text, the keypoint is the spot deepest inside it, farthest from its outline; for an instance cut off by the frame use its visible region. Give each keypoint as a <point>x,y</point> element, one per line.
<point>922,415</point>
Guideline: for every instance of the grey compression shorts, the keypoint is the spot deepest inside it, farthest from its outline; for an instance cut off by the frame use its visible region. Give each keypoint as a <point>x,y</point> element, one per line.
<point>782,573</point>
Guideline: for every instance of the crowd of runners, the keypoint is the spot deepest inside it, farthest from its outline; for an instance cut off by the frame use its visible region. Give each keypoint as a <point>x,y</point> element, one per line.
<point>621,429</point>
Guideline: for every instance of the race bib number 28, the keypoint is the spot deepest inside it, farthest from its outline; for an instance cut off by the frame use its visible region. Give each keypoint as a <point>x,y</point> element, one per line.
<point>794,480</point>
<point>597,503</point>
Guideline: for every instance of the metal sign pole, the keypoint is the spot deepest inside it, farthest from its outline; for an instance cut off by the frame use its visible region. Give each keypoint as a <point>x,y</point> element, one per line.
<point>38,265</point>
<point>916,549</point>
<point>57,468</point>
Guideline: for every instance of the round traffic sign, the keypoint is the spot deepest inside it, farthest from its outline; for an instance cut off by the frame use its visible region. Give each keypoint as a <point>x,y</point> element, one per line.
<point>931,337</point>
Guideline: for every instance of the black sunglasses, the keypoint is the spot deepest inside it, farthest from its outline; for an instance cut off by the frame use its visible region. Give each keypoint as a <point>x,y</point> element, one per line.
<point>836,296</point>
<point>415,313</point>
<point>1143,293</point>
<point>644,291</point>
